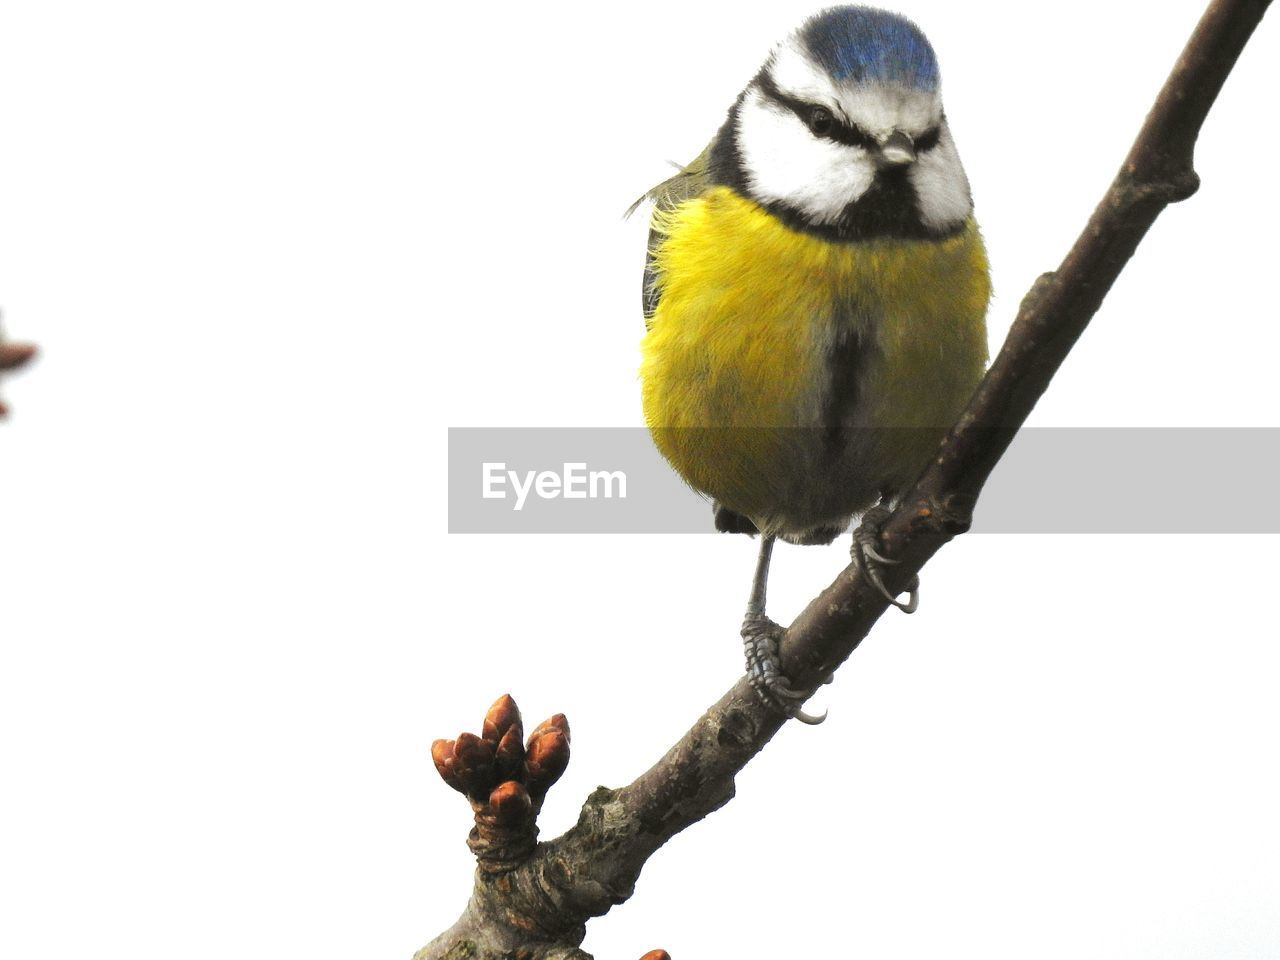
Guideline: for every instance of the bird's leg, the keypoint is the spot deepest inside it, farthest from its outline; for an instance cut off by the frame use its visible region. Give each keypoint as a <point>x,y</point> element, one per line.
<point>868,559</point>
<point>762,639</point>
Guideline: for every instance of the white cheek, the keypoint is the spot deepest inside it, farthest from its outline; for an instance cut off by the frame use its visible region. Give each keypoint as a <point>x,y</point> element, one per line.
<point>941,186</point>
<point>784,161</point>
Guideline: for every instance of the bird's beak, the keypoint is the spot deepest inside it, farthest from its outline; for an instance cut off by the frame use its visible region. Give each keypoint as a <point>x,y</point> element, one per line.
<point>898,150</point>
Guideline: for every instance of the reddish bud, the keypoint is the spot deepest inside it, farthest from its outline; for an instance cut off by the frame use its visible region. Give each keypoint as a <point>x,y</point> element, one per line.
<point>510,753</point>
<point>558,722</point>
<point>656,955</point>
<point>442,757</point>
<point>473,763</point>
<point>547,758</point>
<point>510,803</point>
<point>502,716</point>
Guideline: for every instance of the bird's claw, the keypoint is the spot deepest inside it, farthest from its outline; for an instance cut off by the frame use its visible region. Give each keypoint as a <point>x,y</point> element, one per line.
<point>761,639</point>
<point>869,551</point>
<point>868,559</point>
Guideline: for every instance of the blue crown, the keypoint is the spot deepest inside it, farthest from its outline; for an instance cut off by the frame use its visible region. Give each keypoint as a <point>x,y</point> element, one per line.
<point>863,44</point>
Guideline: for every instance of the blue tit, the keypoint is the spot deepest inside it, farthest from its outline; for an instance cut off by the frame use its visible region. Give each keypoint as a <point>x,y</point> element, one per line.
<point>815,294</point>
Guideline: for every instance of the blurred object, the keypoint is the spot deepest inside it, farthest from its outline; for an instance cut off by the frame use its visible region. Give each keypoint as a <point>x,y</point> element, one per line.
<point>13,356</point>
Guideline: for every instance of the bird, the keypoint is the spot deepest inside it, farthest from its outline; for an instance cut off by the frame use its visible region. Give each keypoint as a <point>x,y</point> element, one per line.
<point>815,294</point>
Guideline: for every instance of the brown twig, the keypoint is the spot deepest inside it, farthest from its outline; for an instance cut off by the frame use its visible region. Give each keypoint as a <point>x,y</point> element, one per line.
<point>594,866</point>
<point>12,357</point>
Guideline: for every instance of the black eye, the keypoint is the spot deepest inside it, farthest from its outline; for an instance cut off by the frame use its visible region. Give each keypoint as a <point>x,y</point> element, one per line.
<point>820,121</point>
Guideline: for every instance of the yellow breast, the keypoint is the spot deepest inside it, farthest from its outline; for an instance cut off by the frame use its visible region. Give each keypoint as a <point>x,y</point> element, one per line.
<point>737,364</point>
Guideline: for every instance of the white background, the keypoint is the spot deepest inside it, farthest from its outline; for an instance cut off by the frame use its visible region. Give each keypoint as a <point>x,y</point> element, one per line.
<point>272,250</point>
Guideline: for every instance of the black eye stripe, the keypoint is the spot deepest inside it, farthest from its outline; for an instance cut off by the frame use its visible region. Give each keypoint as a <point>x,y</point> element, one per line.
<point>837,129</point>
<point>929,139</point>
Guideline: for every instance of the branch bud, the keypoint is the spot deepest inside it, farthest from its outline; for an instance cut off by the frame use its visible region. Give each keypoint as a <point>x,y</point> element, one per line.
<point>547,758</point>
<point>510,753</point>
<point>505,780</point>
<point>473,763</point>
<point>442,757</point>
<point>510,803</point>
<point>504,715</point>
<point>558,722</point>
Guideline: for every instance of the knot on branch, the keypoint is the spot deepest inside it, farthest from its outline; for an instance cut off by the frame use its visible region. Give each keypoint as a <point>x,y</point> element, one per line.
<point>1035,296</point>
<point>505,780</point>
<point>1173,189</point>
<point>944,517</point>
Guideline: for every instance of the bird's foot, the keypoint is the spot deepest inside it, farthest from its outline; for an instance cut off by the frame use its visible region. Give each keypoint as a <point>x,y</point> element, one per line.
<point>867,558</point>
<point>761,640</point>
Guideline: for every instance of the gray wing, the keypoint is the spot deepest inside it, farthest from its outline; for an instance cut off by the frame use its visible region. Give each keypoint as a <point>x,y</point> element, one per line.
<point>692,181</point>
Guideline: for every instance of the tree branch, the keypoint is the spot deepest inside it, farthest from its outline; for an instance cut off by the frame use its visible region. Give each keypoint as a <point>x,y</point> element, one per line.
<point>546,899</point>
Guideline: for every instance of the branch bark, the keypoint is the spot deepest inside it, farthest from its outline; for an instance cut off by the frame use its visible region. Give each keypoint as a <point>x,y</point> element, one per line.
<point>538,910</point>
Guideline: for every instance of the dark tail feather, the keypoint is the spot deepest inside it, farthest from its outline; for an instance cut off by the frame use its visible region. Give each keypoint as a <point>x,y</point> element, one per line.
<point>729,522</point>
